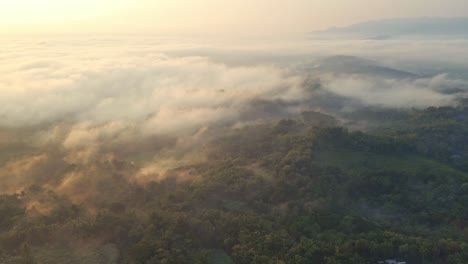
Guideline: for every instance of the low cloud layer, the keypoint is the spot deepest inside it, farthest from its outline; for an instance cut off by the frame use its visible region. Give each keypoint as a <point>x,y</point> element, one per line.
<point>154,91</point>
<point>97,81</point>
<point>71,109</point>
<point>422,92</point>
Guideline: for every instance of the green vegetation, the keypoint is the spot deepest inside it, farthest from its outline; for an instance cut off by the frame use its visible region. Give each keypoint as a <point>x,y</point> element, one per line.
<point>283,193</point>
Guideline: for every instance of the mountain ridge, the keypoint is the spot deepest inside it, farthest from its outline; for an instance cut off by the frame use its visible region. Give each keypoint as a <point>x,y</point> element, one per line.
<point>420,26</point>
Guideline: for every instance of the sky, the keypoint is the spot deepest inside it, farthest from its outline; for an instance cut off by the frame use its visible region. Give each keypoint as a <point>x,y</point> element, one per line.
<point>207,17</point>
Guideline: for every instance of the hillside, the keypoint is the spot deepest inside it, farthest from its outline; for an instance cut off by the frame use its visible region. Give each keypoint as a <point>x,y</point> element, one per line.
<point>287,192</point>
<point>403,27</point>
<point>358,66</point>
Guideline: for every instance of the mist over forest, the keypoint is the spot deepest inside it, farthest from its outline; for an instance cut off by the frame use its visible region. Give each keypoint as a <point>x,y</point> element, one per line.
<point>128,149</point>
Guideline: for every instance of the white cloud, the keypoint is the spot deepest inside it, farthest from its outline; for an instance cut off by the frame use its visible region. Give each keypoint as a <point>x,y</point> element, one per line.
<point>92,100</point>
<point>95,88</point>
<point>421,92</point>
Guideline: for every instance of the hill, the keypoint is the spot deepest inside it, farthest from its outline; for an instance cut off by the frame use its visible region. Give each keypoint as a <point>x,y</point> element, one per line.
<point>398,27</point>
<point>292,191</point>
<point>358,66</point>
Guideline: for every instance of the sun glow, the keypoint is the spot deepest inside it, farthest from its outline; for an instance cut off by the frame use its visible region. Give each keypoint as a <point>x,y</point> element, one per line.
<point>32,15</point>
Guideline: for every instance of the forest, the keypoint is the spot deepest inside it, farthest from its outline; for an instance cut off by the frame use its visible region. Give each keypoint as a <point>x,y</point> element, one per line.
<point>312,189</point>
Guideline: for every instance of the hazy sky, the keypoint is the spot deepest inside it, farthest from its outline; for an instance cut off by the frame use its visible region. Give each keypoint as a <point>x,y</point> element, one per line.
<point>207,17</point>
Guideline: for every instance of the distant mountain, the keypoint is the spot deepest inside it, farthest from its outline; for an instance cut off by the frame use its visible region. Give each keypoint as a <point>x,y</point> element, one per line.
<point>385,29</point>
<point>355,65</point>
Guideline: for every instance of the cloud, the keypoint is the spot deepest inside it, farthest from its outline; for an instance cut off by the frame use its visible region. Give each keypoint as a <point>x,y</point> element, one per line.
<point>422,92</point>
<point>159,93</point>
<point>73,110</point>
<point>101,91</point>
<point>86,112</point>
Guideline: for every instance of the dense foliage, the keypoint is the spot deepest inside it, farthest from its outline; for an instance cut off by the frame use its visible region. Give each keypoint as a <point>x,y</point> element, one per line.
<point>292,192</point>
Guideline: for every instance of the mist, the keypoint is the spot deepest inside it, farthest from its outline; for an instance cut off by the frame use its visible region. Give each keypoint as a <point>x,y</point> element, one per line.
<point>95,100</point>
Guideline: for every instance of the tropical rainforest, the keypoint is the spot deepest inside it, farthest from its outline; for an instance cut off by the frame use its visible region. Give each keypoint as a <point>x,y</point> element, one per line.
<point>310,189</point>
